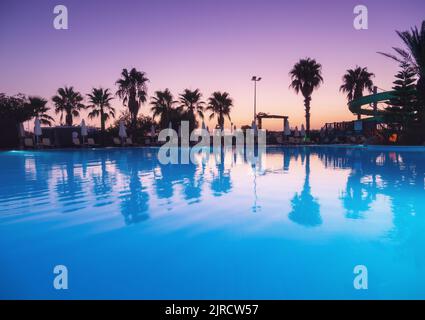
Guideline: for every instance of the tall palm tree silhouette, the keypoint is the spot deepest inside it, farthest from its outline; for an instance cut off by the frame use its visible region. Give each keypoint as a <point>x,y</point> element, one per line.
<point>101,107</point>
<point>132,90</point>
<point>355,81</point>
<point>306,76</point>
<point>163,107</point>
<point>69,102</point>
<point>414,41</point>
<point>220,104</point>
<point>191,102</point>
<point>39,108</point>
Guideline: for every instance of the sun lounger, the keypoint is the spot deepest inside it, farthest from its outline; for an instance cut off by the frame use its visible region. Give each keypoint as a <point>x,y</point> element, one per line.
<point>129,142</point>
<point>91,142</point>
<point>117,141</point>
<point>153,141</point>
<point>28,143</point>
<point>45,142</point>
<point>293,140</point>
<point>279,140</point>
<point>76,142</point>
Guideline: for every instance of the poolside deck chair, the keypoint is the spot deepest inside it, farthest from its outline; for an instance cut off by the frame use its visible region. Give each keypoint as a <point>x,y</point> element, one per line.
<point>148,141</point>
<point>293,140</point>
<point>129,142</point>
<point>45,142</point>
<point>76,142</point>
<point>28,143</point>
<point>91,142</point>
<point>352,139</point>
<point>279,140</point>
<point>117,141</point>
<point>362,139</point>
<point>297,140</point>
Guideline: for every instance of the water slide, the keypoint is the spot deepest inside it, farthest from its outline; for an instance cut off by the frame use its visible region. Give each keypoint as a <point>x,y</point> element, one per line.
<point>355,106</point>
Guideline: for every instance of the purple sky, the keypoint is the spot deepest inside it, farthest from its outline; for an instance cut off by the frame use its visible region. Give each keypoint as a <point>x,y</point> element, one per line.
<point>206,44</point>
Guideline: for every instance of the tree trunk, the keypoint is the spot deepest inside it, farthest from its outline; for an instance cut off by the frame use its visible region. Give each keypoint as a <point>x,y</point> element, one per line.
<point>307,115</point>
<point>102,121</point>
<point>102,127</point>
<point>221,122</point>
<point>134,121</point>
<point>192,120</point>
<point>68,119</point>
<point>133,107</point>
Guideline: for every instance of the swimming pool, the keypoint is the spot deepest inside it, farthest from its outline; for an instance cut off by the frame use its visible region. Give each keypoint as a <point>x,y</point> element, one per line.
<point>292,225</point>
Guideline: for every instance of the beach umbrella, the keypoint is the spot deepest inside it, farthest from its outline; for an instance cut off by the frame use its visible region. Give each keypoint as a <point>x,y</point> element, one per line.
<point>302,133</point>
<point>153,130</point>
<point>296,132</point>
<point>122,132</point>
<point>37,129</point>
<point>287,128</point>
<point>84,132</point>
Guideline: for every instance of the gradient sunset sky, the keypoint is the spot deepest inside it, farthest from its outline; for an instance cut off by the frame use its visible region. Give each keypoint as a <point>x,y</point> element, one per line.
<point>207,44</point>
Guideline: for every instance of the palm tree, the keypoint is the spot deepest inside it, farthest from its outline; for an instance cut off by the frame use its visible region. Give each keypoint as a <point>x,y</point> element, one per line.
<point>414,40</point>
<point>191,102</point>
<point>100,103</point>
<point>219,104</point>
<point>39,109</point>
<point>163,107</point>
<point>306,75</point>
<point>355,81</point>
<point>132,89</point>
<point>68,101</point>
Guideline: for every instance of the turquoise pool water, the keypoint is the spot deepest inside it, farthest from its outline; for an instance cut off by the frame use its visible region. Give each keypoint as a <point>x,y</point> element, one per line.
<point>291,226</point>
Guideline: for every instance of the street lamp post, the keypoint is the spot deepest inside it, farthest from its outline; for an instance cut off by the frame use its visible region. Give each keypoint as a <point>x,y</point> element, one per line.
<point>255,79</point>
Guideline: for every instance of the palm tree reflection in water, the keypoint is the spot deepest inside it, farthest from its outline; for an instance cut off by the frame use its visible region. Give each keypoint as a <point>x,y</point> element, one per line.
<point>305,208</point>
<point>221,182</point>
<point>134,179</point>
